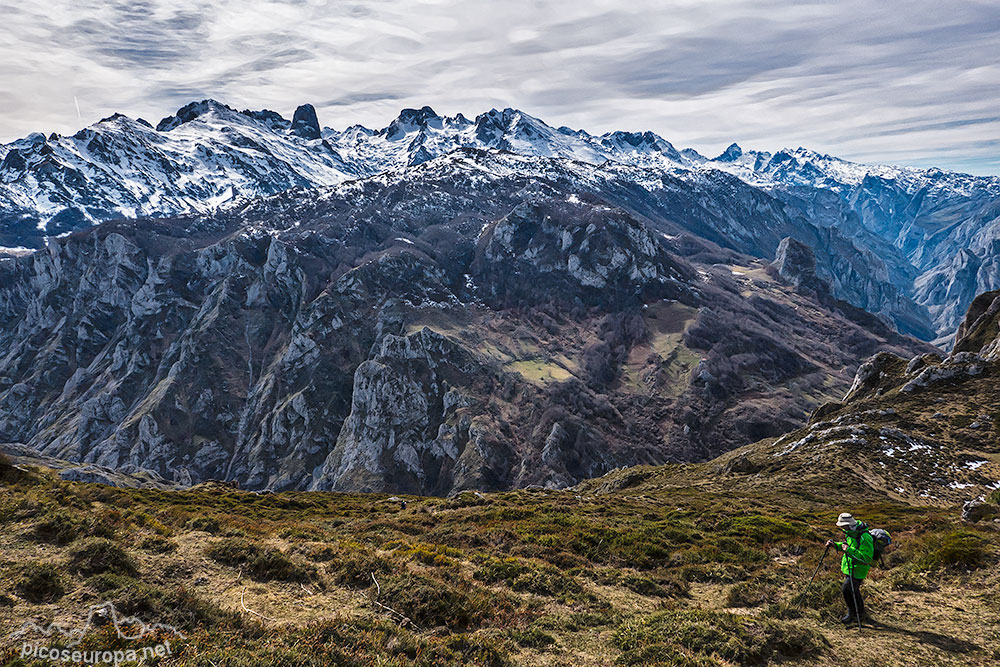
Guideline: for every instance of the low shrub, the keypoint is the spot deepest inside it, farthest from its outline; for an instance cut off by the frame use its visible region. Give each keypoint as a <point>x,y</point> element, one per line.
<point>157,544</point>
<point>299,533</point>
<point>39,582</point>
<point>909,579</point>
<point>761,529</point>
<point>783,610</point>
<point>56,528</point>
<point>661,586</point>
<point>465,649</point>
<point>14,508</point>
<point>138,518</point>
<point>590,619</point>
<point>750,594</point>
<point>734,550</point>
<point>741,639</point>
<point>713,572</point>
<point>263,563</point>
<point>824,596</point>
<point>494,570</point>
<point>465,499</point>
<point>353,564</point>
<point>532,638</point>
<point>958,548</point>
<point>436,555</point>
<point>527,577</point>
<point>95,555</point>
<point>547,580</point>
<point>665,655</point>
<point>174,606</point>
<point>203,524</point>
<point>431,602</point>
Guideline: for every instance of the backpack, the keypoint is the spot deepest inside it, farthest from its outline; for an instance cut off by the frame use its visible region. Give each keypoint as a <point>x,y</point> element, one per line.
<point>881,540</point>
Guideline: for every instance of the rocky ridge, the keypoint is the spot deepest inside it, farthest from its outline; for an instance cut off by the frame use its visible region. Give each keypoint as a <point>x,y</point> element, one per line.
<point>922,430</point>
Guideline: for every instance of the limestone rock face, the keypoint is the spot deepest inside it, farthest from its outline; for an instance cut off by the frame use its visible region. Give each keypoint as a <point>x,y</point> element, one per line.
<point>977,510</point>
<point>577,255</point>
<point>974,354</point>
<point>874,376</point>
<point>980,330</point>
<point>410,421</point>
<point>795,262</point>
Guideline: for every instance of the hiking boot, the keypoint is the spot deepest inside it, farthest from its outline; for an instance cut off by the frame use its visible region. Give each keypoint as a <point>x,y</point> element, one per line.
<point>850,618</point>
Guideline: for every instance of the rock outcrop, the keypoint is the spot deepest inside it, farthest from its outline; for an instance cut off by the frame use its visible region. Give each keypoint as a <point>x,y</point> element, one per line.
<point>415,425</point>
<point>980,330</point>
<point>305,123</point>
<point>796,263</point>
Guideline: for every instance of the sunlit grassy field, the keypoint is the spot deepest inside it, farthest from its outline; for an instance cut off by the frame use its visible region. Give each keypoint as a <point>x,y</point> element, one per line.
<point>641,567</point>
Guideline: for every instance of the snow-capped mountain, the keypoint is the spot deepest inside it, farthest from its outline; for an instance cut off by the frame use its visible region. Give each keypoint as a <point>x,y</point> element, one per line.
<point>209,155</point>
<point>938,232</point>
<point>205,156</point>
<point>929,238</point>
<point>418,135</point>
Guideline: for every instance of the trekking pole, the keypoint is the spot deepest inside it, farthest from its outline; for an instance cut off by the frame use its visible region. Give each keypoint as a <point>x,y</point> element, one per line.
<point>854,591</point>
<point>816,571</point>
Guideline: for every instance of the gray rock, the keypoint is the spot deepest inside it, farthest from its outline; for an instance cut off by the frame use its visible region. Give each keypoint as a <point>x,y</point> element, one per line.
<point>796,263</point>
<point>305,123</point>
<point>977,510</point>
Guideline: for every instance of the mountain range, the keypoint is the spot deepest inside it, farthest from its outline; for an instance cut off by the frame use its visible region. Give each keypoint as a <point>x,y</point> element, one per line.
<point>448,303</point>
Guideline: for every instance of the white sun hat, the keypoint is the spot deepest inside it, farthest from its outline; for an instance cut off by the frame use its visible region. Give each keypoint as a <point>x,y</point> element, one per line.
<point>847,521</point>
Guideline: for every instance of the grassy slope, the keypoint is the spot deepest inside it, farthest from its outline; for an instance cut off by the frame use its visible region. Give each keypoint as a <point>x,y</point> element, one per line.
<point>672,565</point>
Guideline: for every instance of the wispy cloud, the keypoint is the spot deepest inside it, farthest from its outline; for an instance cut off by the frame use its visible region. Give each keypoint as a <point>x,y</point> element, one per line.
<point>910,82</point>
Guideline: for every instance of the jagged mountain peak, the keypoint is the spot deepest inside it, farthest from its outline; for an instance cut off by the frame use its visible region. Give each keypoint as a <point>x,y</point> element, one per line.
<point>493,125</point>
<point>305,123</point>
<point>731,153</point>
<point>412,120</point>
<point>192,111</point>
<point>640,142</point>
<point>417,116</point>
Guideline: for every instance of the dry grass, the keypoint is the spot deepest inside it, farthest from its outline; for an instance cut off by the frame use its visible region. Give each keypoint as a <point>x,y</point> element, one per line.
<point>663,566</point>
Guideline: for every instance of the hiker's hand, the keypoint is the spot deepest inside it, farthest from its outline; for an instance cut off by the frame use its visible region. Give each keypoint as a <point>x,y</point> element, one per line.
<point>843,547</point>
<point>829,543</point>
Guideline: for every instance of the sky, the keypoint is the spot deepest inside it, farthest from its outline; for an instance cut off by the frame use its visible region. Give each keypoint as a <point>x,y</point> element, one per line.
<point>902,82</point>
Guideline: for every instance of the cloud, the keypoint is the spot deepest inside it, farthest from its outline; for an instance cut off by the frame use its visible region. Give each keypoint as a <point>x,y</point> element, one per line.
<point>909,82</point>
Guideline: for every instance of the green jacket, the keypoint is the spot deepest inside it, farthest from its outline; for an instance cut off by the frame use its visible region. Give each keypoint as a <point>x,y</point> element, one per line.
<point>858,557</point>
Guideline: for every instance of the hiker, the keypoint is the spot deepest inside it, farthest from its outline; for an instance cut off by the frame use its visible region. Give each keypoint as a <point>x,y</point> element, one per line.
<point>859,552</point>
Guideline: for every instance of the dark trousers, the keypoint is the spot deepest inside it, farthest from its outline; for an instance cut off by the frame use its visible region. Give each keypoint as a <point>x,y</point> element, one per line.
<point>852,591</point>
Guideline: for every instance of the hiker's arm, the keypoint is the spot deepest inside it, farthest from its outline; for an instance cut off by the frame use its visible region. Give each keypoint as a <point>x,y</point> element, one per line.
<point>863,554</point>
